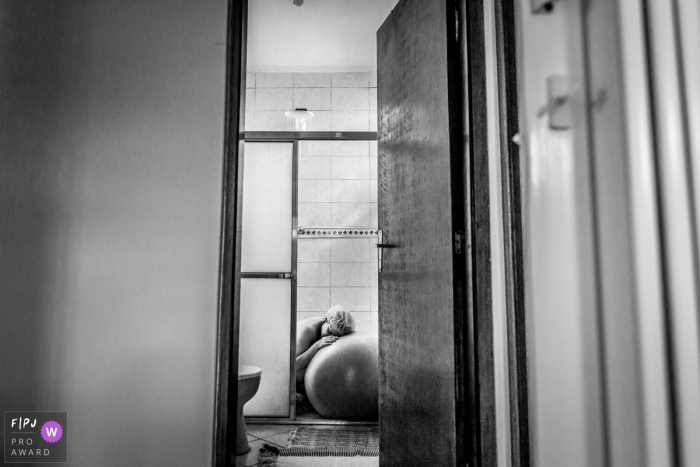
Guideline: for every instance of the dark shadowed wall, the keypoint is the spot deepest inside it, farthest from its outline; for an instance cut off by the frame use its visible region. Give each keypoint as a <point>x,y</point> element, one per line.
<point>111,150</point>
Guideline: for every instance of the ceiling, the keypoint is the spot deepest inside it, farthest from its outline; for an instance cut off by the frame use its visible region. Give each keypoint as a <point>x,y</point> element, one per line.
<point>321,35</point>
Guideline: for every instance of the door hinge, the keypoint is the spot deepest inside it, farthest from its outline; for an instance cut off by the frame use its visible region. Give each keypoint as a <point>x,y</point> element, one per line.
<point>458,242</point>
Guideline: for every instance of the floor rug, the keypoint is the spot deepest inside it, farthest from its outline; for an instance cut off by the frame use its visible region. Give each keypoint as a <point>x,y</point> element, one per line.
<point>310,446</point>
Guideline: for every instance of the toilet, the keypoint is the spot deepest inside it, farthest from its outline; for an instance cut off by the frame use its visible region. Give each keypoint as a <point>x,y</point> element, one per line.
<point>248,383</point>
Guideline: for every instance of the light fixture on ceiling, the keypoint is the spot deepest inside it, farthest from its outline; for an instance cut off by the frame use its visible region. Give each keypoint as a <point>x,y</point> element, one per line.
<point>298,2</point>
<point>299,118</point>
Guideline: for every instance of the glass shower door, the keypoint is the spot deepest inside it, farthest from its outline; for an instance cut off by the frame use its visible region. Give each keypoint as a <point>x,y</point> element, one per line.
<point>267,273</point>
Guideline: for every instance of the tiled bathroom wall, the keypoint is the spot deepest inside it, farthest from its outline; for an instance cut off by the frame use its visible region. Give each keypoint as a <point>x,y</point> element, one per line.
<point>338,184</point>
<point>339,271</point>
<point>339,101</point>
<point>338,188</point>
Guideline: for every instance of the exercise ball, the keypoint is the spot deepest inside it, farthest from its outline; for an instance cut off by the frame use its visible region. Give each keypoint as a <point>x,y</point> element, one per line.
<point>342,380</point>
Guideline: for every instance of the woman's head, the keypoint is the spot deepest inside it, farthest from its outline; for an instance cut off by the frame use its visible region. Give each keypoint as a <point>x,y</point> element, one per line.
<point>338,322</point>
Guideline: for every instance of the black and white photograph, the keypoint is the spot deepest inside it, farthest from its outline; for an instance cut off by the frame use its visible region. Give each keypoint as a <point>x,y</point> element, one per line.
<point>350,233</point>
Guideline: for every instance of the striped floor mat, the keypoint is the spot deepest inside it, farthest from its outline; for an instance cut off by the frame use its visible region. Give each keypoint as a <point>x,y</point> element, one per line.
<point>310,446</point>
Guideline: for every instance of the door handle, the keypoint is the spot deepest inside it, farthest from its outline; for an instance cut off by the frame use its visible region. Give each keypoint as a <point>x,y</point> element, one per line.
<point>380,248</point>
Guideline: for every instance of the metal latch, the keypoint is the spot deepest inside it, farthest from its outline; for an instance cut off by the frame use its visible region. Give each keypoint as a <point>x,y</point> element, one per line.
<point>458,241</point>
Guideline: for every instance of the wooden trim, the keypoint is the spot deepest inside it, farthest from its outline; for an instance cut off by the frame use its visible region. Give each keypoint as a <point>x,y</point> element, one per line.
<point>465,385</point>
<point>513,234</point>
<point>468,363</point>
<point>478,178</point>
<point>226,395</point>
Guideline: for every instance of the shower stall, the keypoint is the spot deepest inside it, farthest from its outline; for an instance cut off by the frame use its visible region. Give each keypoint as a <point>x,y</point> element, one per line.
<point>309,234</point>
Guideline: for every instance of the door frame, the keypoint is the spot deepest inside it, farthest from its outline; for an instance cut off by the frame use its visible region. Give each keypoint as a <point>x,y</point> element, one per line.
<point>225,394</point>
<point>507,33</point>
<point>472,41</point>
<point>477,364</point>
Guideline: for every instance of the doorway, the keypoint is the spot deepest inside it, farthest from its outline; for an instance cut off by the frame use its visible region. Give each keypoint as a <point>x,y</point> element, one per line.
<point>467,244</point>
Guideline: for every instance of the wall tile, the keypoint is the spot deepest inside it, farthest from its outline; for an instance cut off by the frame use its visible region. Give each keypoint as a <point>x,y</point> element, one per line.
<point>250,99</point>
<point>373,256</point>
<point>271,121</point>
<point>314,168</point>
<point>373,148</point>
<point>313,299</point>
<point>313,274</point>
<point>351,298</point>
<point>321,121</point>
<point>315,148</point>
<point>350,168</point>
<point>373,120</point>
<point>312,80</point>
<point>372,98</point>
<point>281,99</point>
<point>373,270</point>
<point>350,80</point>
<point>350,215</point>
<point>373,79</point>
<point>374,322</point>
<point>314,215</point>
<point>372,168</point>
<point>350,148</point>
<point>315,191</point>
<point>312,99</point>
<point>350,120</point>
<point>350,191</point>
<point>350,250</point>
<point>249,121</point>
<point>373,191</point>
<point>350,99</point>
<point>373,215</point>
<point>249,80</point>
<point>349,275</point>
<point>316,250</point>
<point>312,314</point>
<point>374,299</point>
<point>363,321</point>
<point>274,80</point>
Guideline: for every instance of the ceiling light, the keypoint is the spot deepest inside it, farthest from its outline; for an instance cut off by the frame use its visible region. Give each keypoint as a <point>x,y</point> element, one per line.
<point>300,117</point>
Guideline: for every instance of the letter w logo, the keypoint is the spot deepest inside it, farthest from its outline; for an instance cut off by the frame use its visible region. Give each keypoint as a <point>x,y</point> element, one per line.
<point>52,432</point>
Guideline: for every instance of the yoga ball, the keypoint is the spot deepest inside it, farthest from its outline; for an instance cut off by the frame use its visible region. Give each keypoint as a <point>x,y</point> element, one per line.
<point>342,380</point>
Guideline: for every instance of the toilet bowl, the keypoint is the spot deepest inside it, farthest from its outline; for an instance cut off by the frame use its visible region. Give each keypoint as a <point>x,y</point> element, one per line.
<point>248,383</point>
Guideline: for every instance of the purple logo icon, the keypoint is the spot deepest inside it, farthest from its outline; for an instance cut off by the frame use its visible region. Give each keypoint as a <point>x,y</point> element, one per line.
<point>51,431</point>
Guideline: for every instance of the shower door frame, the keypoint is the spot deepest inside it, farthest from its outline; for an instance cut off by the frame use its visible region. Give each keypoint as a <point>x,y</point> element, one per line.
<point>280,275</point>
<point>295,137</point>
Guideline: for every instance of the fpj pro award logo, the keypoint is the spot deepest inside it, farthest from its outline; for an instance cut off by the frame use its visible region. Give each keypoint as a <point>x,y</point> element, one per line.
<point>33,437</point>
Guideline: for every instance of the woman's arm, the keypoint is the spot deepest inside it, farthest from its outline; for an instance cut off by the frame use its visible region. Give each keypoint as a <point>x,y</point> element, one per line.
<point>304,359</point>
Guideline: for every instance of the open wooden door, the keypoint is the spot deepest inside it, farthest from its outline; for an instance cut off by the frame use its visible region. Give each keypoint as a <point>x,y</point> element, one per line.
<point>423,260</point>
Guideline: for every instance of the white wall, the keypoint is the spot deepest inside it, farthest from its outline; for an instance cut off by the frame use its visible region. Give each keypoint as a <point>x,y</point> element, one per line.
<point>565,390</point>
<point>320,35</point>
<point>111,136</point>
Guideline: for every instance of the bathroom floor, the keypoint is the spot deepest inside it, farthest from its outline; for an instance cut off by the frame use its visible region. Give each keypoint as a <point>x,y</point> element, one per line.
<point>262,434</point>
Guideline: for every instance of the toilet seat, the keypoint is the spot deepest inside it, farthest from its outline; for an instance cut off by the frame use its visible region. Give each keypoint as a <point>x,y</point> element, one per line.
<point>248,372</point>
